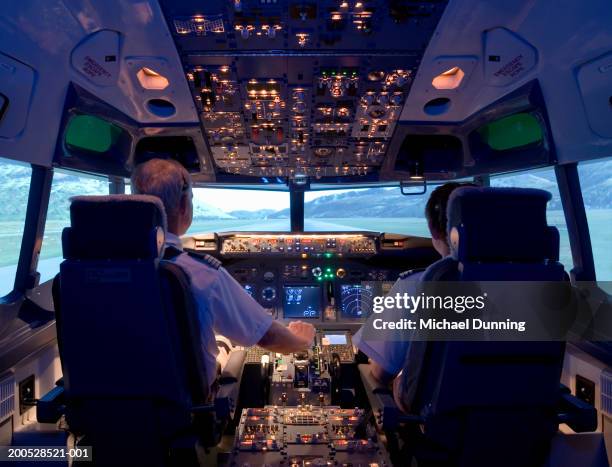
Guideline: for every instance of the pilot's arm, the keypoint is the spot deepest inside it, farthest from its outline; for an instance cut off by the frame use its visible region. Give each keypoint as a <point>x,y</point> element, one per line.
<point>387,357</point>
<point>241,319</point>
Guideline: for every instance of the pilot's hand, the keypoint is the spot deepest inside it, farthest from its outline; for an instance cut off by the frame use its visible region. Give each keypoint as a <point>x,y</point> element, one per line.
<point>305,332</point>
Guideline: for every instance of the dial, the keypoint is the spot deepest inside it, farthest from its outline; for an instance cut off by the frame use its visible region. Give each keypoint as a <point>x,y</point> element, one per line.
<point>268,294</point>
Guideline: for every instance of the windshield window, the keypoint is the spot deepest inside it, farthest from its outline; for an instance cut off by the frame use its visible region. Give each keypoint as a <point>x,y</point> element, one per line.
<point>543,179</point>
<point>65,185</point>
<point>14,189</point>
<point>222,210</point>
<point>380,209</point>
<point>596,183</point>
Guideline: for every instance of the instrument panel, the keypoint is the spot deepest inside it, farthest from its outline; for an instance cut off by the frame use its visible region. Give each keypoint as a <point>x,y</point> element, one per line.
<point>297,421</point>
<point>328,279</point>
<point>299,245</point>
<point>306,435</point>
<point>290,88</point>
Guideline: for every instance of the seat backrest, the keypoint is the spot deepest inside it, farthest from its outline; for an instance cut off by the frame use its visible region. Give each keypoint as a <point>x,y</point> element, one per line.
<point>479,397</point>
<point>125,322</point>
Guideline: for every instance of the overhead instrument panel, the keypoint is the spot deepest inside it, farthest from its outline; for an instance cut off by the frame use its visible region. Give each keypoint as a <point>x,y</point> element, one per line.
<point>289,89</point>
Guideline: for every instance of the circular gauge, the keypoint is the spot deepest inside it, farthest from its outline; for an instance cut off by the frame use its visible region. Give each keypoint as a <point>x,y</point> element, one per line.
<point>376,75</point>
<point>322,152</point>
<point>356,300</point>
<point>268,294</point>
<point>377,112</point>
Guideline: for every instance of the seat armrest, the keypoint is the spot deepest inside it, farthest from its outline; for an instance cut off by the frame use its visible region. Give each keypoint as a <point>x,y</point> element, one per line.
<point>51,406</point>
<point>577,414</point>
<point>371,383</point>
<point>386,412</point>
<point>225,401</point>
<point>232,371</point>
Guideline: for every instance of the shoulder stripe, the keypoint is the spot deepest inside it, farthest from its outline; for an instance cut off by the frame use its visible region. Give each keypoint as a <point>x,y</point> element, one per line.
<point>410,272</point>
<point>208,259</point>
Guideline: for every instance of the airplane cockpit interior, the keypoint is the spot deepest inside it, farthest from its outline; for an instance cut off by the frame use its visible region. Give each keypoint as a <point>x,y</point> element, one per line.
<point>332,155</point>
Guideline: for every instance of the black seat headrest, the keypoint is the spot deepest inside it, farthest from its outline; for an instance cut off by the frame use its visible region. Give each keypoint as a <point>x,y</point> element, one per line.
<point>488,224</point>
<point>115,227</point>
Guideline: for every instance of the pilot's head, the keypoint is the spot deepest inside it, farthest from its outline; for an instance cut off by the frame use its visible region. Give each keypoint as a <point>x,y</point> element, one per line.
<point>435,212</point>
<point>170,182</point>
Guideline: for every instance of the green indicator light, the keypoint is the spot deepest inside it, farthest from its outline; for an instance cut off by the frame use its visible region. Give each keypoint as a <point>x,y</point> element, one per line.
<point>328,255</point>
<point>319,278</point>
<point>328,270</point>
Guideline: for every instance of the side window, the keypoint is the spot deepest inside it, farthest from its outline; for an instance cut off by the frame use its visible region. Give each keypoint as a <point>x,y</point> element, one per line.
<point>544,179</point>
<point>14,190</point>
<point>65,185</point>
<point>596,183</point>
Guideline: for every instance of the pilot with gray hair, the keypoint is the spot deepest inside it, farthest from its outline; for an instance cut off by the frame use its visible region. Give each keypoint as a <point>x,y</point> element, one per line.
<point>223,306</point>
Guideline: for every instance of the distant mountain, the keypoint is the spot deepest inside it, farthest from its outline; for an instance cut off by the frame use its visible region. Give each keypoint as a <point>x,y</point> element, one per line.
<point>596,180</point>
<point>206,211</point>
<point>371,202</point>
<point>259,214</point>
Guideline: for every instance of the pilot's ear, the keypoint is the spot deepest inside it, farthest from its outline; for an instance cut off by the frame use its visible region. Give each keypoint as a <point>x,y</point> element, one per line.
<point>184,202</point>
<point>453,239</point>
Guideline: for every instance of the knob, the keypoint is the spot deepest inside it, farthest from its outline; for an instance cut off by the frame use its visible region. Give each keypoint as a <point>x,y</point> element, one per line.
<point>271,32</point>
<point>299,107</point>
<point>268,276</point>
<point>383,99</point>
<point>368,99</point>
<point>340,273</point>
<point>317,271</point>
<point>396,99</point>
<point>245,33</point>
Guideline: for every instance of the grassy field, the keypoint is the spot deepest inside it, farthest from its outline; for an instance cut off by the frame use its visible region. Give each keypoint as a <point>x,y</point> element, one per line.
<point>599,224</point>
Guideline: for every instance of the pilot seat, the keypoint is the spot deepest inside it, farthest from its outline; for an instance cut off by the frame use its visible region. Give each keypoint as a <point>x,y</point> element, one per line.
<point>133,379</point>
<point>481,403</point>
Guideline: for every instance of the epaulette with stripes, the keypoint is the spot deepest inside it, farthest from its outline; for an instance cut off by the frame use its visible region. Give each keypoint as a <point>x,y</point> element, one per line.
<point>208,259</point>
<point>410,272</point>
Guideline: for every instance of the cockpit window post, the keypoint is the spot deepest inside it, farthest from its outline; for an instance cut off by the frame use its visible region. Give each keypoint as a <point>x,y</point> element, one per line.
<point>27,276</point>
<point>296,203</point>
<point>482,180</point>
<point>116,185</point>
<point>576,220</point>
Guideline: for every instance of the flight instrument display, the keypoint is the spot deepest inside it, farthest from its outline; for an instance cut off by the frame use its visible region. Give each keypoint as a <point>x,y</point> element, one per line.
<point>302,302</point>
<point>356,300</point>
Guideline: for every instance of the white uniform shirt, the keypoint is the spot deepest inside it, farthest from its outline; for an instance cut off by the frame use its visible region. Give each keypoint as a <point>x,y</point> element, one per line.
<point>223,307</point>
<point>390,355</point>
